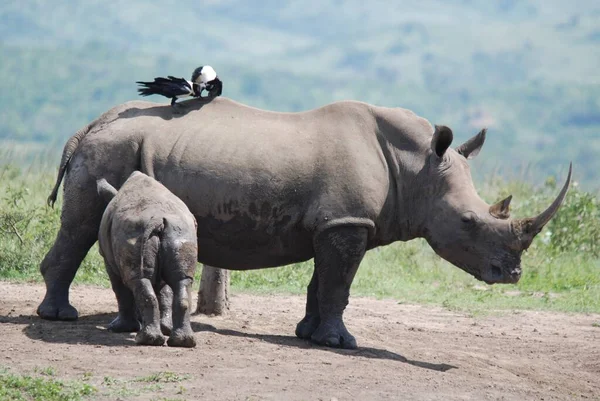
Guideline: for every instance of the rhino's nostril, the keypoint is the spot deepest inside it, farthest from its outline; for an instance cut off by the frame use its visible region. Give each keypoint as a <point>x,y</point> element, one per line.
<point>496,271</point>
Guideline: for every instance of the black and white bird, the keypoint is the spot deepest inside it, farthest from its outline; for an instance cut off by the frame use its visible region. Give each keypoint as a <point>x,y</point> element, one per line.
<point>170,87</point>
<point>207,79</point>
<point>203,78</point>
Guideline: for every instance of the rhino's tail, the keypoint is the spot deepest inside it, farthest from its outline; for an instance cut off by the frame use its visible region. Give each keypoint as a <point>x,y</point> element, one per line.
<point>153,228</point>
<point>68,151</point>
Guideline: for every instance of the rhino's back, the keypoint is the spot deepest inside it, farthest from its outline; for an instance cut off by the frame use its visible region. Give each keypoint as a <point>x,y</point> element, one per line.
<point>259,183</point>
<point>141,207</point>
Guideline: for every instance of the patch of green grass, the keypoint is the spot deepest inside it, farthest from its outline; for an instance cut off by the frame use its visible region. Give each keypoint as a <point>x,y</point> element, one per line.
<point>43,384</point>
<point>163,377</point>
<point>24,387</point>
<point>48,371</point>
<point>151,384</point>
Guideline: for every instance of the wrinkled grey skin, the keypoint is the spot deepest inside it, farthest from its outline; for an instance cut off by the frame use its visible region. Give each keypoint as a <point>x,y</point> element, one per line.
<point>147,237</point>
<point>269,189</point>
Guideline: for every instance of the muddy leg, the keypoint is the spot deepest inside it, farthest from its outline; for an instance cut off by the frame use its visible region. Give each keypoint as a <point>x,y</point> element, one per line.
<point>59,268</point>
<point>146,301</point>
<point>126,321</point>
<point>182,335</point>
<point>79,222</point>
<point>307,326</point>
<point>165,301</point>
<point>338,252</point>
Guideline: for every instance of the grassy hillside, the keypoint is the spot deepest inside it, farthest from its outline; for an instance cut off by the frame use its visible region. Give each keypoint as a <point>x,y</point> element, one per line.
<point>526,69</point>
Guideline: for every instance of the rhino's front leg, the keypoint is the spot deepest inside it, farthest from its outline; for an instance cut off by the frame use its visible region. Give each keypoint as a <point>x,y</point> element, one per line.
<point>307,326</point>
<point>338,253</point>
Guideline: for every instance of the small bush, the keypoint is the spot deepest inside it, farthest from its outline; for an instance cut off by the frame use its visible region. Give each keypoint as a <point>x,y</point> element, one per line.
<point>576,226</point>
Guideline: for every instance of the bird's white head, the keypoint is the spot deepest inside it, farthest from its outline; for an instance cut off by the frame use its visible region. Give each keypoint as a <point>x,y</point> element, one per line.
<point>204,74</point>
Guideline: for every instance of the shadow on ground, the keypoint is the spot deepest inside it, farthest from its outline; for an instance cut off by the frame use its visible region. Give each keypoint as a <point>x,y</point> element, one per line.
<point>292,341</point>
<point>91,329</point>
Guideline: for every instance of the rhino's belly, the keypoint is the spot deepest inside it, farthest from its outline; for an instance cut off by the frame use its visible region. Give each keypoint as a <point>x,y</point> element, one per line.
<point>242,243</point>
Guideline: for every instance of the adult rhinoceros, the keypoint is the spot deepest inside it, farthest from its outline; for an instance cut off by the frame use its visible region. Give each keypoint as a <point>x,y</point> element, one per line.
<point>269,189</point>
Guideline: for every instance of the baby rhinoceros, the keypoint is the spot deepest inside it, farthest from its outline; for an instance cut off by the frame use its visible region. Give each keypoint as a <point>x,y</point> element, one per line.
<point>148,238</point>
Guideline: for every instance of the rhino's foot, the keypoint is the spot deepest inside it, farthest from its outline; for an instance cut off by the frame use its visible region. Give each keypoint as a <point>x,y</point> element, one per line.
<point>121,325</point>
<point>333,333</point>
<point>149,337</point>
<point>182,338</point>
<point>51,310</point>
<point>166,327</point>
<point>307,326</point>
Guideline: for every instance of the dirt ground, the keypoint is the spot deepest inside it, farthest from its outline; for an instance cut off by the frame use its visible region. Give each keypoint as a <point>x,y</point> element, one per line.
<point>406,352</point>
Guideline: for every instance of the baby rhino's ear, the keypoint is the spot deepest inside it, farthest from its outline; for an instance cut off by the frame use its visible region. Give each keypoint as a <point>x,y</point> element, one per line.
<point>105,190</point>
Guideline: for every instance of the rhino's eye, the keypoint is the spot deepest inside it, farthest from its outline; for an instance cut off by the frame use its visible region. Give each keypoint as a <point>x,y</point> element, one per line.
<point>469,219</point>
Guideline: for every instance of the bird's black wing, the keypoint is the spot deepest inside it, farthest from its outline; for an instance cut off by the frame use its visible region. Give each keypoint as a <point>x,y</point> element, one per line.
<point>169,87</point>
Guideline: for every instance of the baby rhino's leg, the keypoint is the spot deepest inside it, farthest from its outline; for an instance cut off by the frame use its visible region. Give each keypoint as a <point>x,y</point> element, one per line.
<point>146,300</point>
<point>165,302</point>
<point>178,265</point>
<point>182,334</point>
<point>126,321</point>
<point>141,283</point>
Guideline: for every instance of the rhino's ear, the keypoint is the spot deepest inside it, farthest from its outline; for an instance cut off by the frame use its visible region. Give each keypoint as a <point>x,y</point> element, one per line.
<point>471,148</point>
<point>442,138</point>
<point>105,190</point>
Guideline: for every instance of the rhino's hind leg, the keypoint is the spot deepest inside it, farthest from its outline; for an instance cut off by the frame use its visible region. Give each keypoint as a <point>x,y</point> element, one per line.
<point>145,298</point>
<point>307,326</point>
<point>60,265</point>
<point>126,321</point>
<point>182,335</point>
<point>338,252</point>
<point>165,302</point>
<point>79,223</point>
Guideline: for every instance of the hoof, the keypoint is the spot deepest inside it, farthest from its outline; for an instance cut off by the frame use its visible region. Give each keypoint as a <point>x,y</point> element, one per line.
<point>166,328</point>
<point>120,325</point>
<point>181,340</point>
<point>51,311</point>
<point>307,326</point>
<point>335,336</point>
<point>146,337</point>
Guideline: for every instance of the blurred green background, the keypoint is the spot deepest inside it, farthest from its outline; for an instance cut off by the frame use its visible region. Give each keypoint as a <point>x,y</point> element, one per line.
<point>528,70</point>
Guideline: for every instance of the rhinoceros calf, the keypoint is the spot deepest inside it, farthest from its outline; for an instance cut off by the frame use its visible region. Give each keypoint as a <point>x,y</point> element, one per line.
<point>270,189</point>
<point>147,236</point>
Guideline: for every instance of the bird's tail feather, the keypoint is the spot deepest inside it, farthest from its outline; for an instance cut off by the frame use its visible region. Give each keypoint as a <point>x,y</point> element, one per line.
<point>168,87</point>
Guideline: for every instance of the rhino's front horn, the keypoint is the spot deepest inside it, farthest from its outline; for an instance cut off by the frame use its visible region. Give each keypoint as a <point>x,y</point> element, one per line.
<point>533,226</point>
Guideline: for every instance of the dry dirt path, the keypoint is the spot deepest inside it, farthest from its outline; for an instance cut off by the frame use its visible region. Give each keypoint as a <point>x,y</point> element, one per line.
<point>407,352</point>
